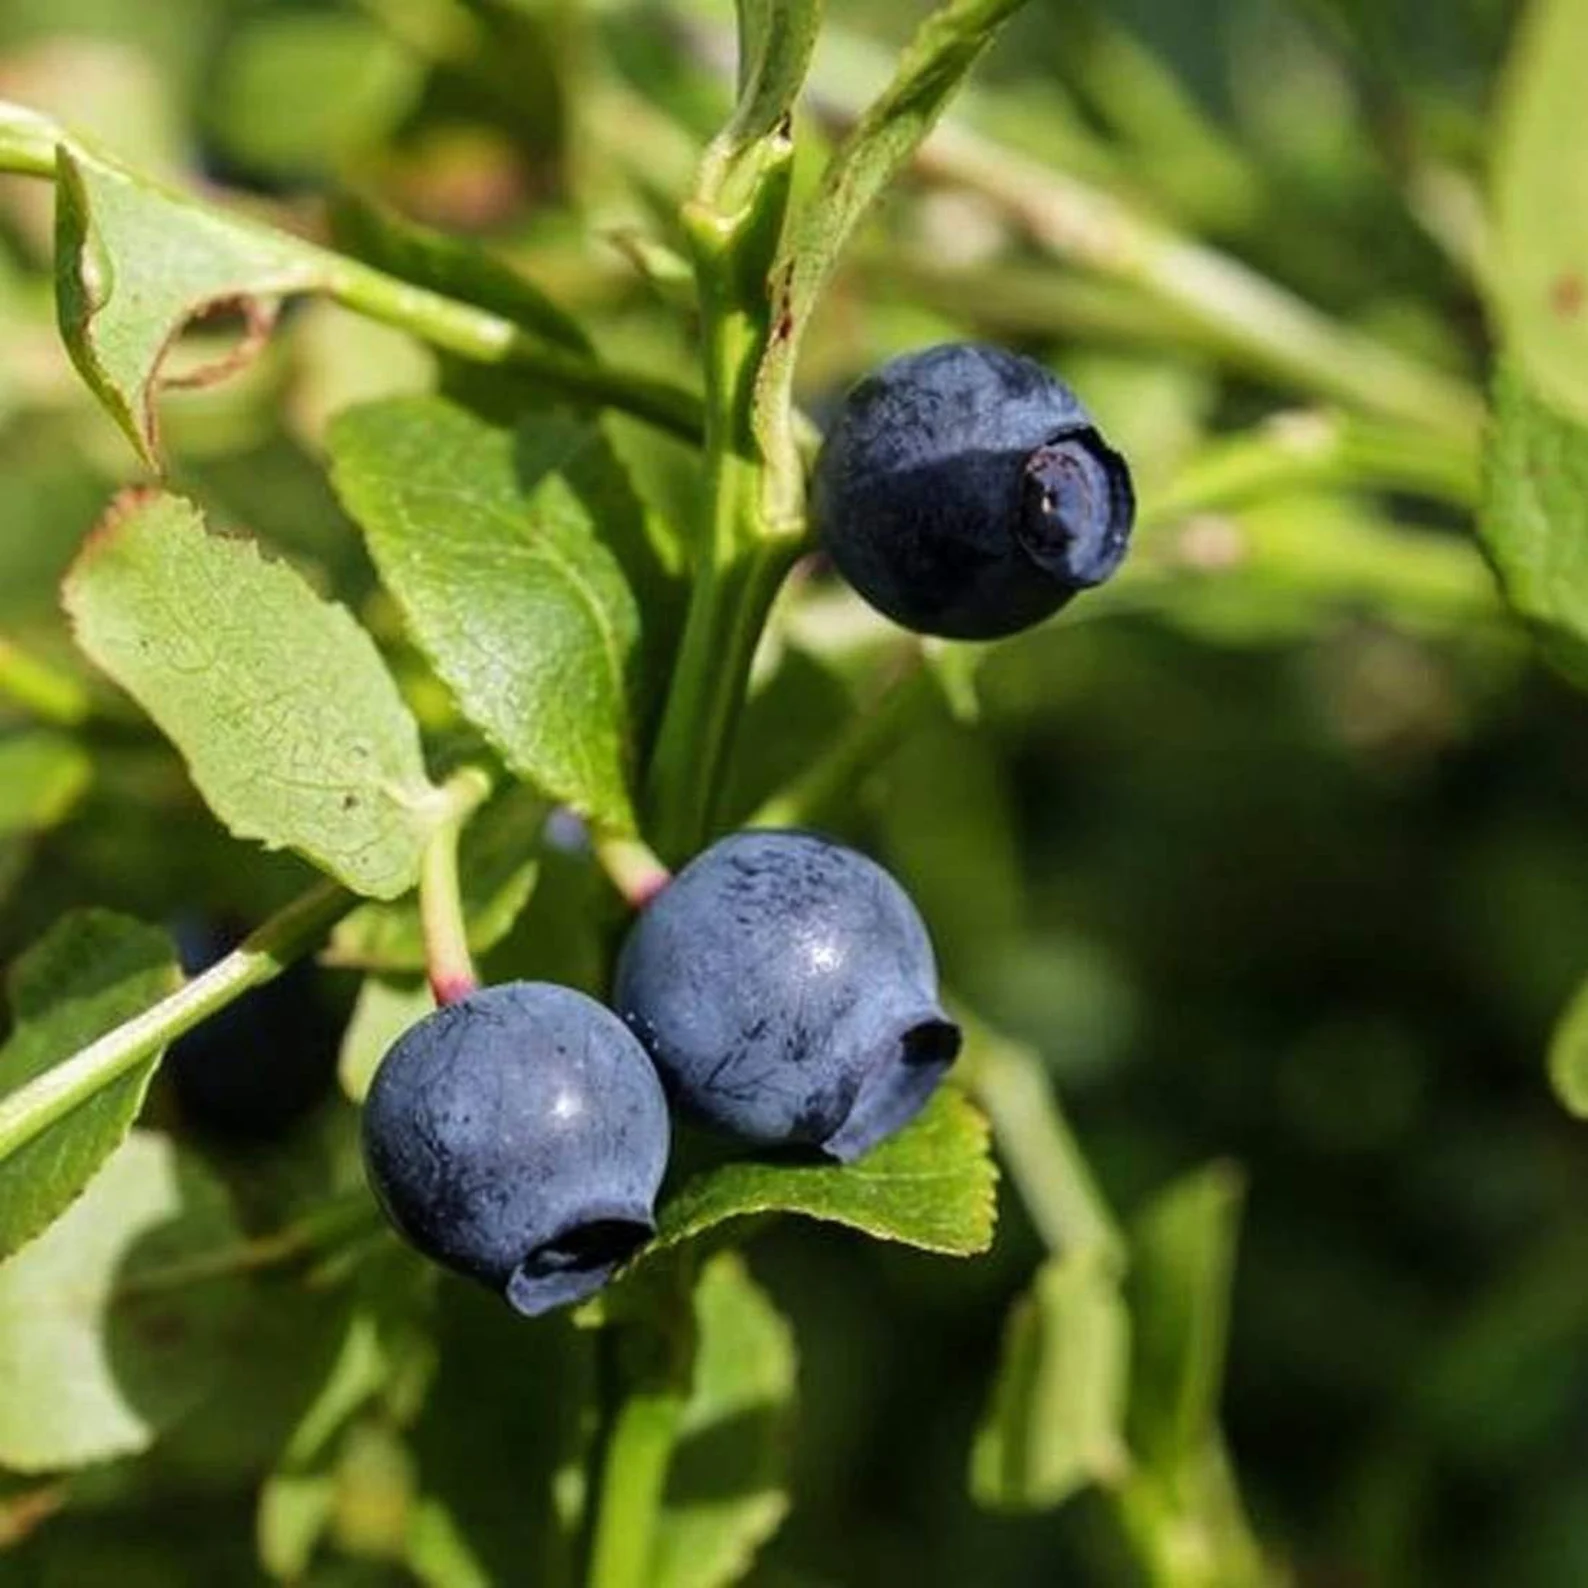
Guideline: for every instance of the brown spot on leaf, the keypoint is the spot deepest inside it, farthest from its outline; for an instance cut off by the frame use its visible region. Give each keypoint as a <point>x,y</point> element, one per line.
<point>1567,294</point>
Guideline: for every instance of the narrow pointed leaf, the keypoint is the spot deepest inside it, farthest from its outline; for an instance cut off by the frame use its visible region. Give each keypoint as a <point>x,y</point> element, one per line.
<point>1055,1423</point>
<point>727,1483</point>
<point>1182,1260</point>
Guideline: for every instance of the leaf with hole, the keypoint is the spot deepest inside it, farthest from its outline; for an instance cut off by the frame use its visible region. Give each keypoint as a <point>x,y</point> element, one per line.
<point>136,263</point>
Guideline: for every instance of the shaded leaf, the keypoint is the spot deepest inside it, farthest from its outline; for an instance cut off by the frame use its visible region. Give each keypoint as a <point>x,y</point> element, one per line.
<point>498,859</point>
<point>1182,1258</point>
<point>42,776</point>
<point>296,92</point>
<point>135,263</point>
<point>930,1186</point>
<point>290,724</point>
<point>492,541</point>
<point>1541,223</point>
<point>386,1007</point>
<point>1534,523</point>
<point>1055,1423</point>
<point>96,1358</point>
<point>726,1488</point>
<point>1568,1055</point>
<point>90,972</point>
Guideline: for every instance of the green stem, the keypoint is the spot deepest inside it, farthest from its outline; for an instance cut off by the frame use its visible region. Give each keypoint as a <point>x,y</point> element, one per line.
<point>1244,310</point>
<point>727,611</point>
<point>738,567</point>
<point>1313,450</point>
<point>27,141</point>
<point>263,954</point>
<point>638,1452</point>
<point>631,866</point>
<point>330,1225</point>
<point>448,962</point>
<point>27,146</point>
<point>488,338</point>
<point>876,728</point>
<point>39,689</point>
<point>1038,1147</point>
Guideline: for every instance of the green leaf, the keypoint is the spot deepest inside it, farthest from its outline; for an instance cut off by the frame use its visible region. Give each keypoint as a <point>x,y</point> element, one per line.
<point>776,38</point>
<point>294,93</point>
<point>1568,1055</point>
<point>135,263</point>
<point>42,776</point>
<point>931,1186</point>
<point>386,1007</point>
<point>96,1356</point>
<point>937,60</point>
<point>492,542</point>
<point>1182,1260</point>
<point>1055,1423</point>
<point>727,1485</point>
<point>498,860</point>
<point>90,972</point>
<point>452,266</point>
<point>290,724</point>
<point>1541,222</point>
<point>1534,523</point>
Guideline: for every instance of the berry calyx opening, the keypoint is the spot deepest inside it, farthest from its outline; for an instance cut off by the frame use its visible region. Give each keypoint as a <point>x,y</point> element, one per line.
<point>1076,508</point>
<point>573,1265</point>
<point>903,1073</point>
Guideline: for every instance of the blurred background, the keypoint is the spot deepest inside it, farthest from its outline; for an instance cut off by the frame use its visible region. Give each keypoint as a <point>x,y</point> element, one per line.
<point>1276,853</point>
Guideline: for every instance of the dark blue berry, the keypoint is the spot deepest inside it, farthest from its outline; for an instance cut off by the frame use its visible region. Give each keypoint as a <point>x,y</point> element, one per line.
<point>964,491</point>
<point>259,1066</point>
<point>519,1136</point>
<point>785,987</point>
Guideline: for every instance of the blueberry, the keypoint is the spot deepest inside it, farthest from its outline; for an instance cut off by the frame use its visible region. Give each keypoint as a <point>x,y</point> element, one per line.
<point>964,491</point>
<point>519,1136</point>
<point>786,989</point>
<point>256,1068</point>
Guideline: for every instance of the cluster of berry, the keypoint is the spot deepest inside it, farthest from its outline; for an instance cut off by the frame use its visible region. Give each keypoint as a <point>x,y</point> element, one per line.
<point>782,986</point>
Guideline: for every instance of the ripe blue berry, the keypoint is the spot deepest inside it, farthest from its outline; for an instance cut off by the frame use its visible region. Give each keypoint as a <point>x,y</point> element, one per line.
<point>964,491</point>
<point>785,987</point>
<point>519,1136</point>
